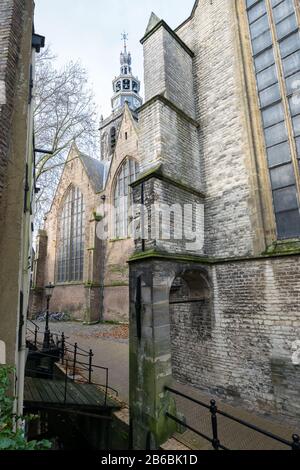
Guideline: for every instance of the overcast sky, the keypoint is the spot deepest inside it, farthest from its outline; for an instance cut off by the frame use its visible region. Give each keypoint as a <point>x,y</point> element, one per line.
<point>90,30</point>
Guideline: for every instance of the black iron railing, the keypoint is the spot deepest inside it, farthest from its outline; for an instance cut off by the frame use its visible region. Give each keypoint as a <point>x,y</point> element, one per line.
<point>294,444</point>
<point>34,331</point>
<point>74,359</point>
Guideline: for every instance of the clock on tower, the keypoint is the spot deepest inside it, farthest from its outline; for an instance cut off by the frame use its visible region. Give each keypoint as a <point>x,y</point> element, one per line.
<point>126,86</point>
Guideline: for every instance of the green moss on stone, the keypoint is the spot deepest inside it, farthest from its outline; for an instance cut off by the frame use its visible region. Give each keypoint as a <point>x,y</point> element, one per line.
<point>118,269</point>
<point>157,172</point>
<point>164,255</point>
<point>154,254</point>
<point>96,217</point>
<point>284,247</point>
<point>117,284</point>
<point>90,284</point>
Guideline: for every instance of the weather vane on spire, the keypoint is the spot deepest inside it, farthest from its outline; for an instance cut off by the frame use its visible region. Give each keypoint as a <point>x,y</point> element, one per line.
<point>124,37</point>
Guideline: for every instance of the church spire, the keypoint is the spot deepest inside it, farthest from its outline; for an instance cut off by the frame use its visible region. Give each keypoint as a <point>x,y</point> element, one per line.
<point>125,57</point>
<point>125,38</point>
<point>126,86</point>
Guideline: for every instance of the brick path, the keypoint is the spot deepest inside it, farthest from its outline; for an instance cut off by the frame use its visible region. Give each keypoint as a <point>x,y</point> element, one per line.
<point>232,435</point>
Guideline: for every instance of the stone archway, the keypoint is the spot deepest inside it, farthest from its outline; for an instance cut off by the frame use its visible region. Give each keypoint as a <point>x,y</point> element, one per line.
<point>157,285</point>
<point>191,324</point>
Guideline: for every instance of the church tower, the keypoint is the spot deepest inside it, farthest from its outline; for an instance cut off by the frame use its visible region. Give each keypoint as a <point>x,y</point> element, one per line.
<point>126,89</point>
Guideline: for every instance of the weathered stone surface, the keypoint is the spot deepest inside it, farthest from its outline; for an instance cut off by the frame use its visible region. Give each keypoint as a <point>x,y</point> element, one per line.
<point>233,334</point>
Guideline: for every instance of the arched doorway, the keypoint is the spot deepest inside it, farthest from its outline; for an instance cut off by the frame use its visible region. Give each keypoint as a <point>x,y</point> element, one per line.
<point>191,324</point>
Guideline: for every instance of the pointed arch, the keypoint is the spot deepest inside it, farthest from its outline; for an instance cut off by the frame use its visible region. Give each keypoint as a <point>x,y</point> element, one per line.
<point>70,247</point>
<point>122,196</point>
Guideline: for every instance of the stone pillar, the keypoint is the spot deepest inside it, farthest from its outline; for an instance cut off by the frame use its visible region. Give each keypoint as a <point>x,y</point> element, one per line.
<point>170,174</point>
<point>94,283</point>
<point>150,357</point>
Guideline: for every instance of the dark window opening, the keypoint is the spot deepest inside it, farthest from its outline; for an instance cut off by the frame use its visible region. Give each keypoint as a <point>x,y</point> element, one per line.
<point>113,138</point>
<point>135,87</point>
<point>126,84</point>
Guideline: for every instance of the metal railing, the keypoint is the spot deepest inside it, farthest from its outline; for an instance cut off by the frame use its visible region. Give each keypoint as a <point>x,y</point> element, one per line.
<point>33,332</point>
<point>74,359</point>
<point>214,412</point>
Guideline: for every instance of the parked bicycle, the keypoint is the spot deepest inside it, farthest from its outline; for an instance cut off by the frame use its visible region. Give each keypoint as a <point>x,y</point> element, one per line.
<point>53,316</point>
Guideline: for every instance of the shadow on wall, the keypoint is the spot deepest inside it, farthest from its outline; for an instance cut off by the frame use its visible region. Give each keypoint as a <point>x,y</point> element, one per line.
<point>191,319</point>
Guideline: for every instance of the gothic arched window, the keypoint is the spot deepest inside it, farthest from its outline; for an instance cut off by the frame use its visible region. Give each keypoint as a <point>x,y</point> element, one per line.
<point>123,196</point>
<point>70,251</point>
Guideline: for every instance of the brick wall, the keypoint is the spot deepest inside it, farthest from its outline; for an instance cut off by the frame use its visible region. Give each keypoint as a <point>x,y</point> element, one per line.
<point>16,23</point>
<point>242,350</point>
<point>170,139</point>
<point>11,17</point>
<point>172,217</point>
<point>230,212</point>
<point>169,70</point>
<point>236,343</point>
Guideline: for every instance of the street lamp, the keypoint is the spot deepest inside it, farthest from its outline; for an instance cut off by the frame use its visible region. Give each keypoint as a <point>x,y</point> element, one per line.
<point>48,291</point>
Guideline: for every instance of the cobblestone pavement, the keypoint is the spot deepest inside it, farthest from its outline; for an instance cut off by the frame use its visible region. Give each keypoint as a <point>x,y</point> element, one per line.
<point>116,333</point>
<point>110,347</point>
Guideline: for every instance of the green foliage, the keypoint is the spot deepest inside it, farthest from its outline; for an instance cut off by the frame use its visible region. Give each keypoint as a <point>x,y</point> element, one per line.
<point>12,436</point>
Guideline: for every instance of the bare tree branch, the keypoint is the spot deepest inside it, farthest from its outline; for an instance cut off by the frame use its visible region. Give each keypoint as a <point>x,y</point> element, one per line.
<point>64,112</point>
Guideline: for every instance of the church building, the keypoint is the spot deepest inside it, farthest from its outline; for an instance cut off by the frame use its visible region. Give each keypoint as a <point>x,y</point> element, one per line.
<point>91,273</point>
<point>214,151</point>
<point>219,137</point>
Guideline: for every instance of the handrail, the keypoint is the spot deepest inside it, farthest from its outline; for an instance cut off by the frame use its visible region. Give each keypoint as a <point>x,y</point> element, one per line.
<point>30,331</point>
<point>83,350</point>
<point>78,354</point>
<point>66,355</point>
<point>182,423</point>
<point>295,445</point>
<point>31,321</point>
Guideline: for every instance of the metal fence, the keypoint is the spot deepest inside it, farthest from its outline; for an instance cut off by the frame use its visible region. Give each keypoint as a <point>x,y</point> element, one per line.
<point>294,444</point>
<point>74,359</point>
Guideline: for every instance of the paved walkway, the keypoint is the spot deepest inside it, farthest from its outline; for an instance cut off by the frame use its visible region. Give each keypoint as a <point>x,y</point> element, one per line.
<point>232,435</point>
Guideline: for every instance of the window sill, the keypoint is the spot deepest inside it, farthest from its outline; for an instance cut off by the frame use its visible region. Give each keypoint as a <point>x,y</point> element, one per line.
<point>68,284</point>
<point>114,240</point>
<point>284,246</point>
